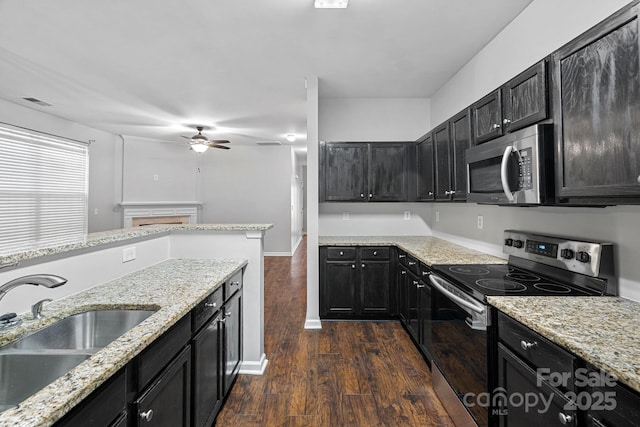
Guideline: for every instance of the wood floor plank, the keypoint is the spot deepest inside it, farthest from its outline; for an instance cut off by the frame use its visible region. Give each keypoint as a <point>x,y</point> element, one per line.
<point>346,374</point>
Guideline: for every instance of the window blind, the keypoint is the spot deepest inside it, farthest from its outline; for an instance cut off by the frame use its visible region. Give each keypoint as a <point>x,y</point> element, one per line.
<point>43,189</point>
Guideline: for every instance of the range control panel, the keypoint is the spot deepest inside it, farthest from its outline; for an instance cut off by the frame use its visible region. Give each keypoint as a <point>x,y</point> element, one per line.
<point>574,255</point>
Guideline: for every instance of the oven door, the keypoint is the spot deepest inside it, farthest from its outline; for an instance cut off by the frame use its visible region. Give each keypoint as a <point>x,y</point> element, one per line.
<point>507,170</point>
<point>459,350</point>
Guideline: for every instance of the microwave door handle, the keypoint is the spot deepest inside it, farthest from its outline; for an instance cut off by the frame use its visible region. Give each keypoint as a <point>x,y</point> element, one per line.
<point>471,306</point>
<point>504,174</point>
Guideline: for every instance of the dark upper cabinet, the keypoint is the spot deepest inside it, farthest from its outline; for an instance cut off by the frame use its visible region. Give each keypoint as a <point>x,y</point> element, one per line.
<point>364,172</point>
<point>387,172</point>
<point>487,117</point>
<point>596,96</point>
<point>520,102</point>
<point>345,172</point>
<point>441,141</point>
<point>525,98</point>
<point>460,127</point>
<point>425,190</point>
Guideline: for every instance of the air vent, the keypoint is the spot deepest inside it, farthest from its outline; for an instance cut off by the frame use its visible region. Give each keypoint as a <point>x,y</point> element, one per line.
<point>39,102</point>
<point>267,143</point>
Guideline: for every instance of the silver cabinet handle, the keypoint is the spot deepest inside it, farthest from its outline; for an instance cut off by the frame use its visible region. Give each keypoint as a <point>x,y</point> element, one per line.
<point>362,195</point>
<point>375,253</point>
<point>446,192</point>
<point>564,418</point>
<point>403,272</point>
<point>506,122</point>
<point>370,195</point>
<point>222,320</point>
<point>147,416</point>
<point>362,265</point>
<point>425,273</point>
<point>412,263</point>
<point>402,256</point>
<point>431,192</point>
<point>353,266</point>
<point>527,345</point>
<point>341,253</point>
<point>211,304</point>
<point>452,192</point>
<point>235,283</point>
<point>419,286</point>
<point>228,314</point>
<point>495,126</point>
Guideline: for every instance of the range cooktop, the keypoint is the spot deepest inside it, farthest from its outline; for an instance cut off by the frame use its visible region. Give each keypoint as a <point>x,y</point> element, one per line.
<point>504,279</point>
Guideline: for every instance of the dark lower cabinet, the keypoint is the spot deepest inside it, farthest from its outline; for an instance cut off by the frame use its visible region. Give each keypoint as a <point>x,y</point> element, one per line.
<point>355,283</point>
<point>596,109</point>
<point>207,372</point>
<point>610,405</point>
<point>232,339</point>
<point>167,401</point>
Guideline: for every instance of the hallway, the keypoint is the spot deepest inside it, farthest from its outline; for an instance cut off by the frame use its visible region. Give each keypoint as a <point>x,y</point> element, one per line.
<point>346,374</point>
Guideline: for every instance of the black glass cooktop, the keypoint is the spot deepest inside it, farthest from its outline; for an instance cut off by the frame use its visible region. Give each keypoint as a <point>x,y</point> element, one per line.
<point>504,279</point>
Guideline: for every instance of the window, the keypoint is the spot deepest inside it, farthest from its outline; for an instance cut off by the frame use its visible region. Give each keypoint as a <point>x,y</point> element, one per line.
<point>43,189</point>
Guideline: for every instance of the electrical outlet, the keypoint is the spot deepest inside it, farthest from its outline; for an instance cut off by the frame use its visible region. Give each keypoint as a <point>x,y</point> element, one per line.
<point>407,215</point>
<point>129,254</point>
<point>480,222</point>
<point>437,216</point>
<point>345,216</point>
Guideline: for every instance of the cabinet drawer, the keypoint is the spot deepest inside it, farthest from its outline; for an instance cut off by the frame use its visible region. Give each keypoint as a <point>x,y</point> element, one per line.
<point>536,350</point>
<point>206,308</point>
<point>232,285</point>
<point>375,253</point>
<point>341,253</point>
<point>159,354</point>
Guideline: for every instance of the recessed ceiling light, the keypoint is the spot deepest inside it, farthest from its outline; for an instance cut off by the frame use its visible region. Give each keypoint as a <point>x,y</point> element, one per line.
<point>331,4</point>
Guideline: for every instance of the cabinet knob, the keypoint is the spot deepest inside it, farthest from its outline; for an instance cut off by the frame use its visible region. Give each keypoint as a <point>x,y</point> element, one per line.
<point>431,192</point>
<point>362,265</point>
<point>147,415</point>
<point>416,283</point>
<point>564,418</point>
<point>362,195</point>
<point>227,314</point>
<point>403,272</point>
<point>210,304</point>
<point>506,122</point>
<point>370,195</point>
<point>353,266</point>
<point>495,126</point>
<point>375,253</point>
<point>341,253</point>
<point>527,345</point>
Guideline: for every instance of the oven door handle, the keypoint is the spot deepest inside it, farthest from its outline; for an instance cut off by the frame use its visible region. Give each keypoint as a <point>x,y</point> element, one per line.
<point>471,306</point>
<point>504,172</point>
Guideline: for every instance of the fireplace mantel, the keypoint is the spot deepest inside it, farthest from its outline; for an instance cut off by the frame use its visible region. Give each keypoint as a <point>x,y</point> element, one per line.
<point>140,209</point>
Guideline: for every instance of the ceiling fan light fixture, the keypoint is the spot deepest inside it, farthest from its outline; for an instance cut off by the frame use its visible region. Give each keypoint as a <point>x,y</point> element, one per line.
<point>331,4</point>
<point>200,147</point>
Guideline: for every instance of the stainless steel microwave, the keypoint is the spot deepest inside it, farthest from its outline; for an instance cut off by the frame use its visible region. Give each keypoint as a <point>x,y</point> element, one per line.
<point>515,169</point>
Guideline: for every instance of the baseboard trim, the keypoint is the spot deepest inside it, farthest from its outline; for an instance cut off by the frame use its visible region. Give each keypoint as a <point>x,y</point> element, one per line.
<point>250,367</point>
<point>313,324</point>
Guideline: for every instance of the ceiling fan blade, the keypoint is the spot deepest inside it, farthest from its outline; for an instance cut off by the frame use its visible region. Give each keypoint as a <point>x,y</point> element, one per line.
<point>224,147</point>
<point>220,141</point>
<point>185,137</point>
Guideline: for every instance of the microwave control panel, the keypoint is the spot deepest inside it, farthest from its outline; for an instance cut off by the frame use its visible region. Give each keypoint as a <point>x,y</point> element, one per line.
<point>525,178</point>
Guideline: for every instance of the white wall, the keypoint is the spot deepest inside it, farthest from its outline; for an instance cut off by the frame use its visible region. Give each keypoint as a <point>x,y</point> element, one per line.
<point>104,179</point>
<point>373,119</point>
<point>250,185</point>
<point>518,46</point>
<point>297,210</point>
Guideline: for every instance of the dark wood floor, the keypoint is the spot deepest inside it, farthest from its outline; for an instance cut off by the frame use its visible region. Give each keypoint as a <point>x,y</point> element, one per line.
<point>346,374</point>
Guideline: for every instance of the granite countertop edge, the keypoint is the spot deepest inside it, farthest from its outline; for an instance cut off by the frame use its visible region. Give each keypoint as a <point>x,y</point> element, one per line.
<point>606,339</point>
<point>151,289</point>
<point>103,238</point>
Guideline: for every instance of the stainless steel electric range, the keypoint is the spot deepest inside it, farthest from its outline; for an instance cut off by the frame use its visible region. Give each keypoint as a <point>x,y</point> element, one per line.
<point>538,265</point>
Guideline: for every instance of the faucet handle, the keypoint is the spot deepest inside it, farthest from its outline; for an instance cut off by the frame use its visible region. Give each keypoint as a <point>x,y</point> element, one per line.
<point>36,309</point>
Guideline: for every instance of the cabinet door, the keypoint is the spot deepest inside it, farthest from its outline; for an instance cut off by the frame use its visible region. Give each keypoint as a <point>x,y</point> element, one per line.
<point>425,318</point>
<point>425,172</point>
<point>387,172</point>
<point>232,339</point>
<point>345,172</point>
<point>517,379</point>
<point>401,286</point>
<point>374,288</point>
<point>338,293</point>
<point>441,141</point>
<point>487,117</point>
<point>597,110</point>
<point>460,141</point>
<point>167,401</point>
<point>412,306</point>
<point>525,98</point>
<point>207,373</point>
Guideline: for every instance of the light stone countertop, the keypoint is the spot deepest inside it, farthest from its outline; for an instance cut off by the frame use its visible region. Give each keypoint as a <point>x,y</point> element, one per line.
<point>428,249</point>
<point>173,287</point>
<point>603,331</point>
<point>103,238</point>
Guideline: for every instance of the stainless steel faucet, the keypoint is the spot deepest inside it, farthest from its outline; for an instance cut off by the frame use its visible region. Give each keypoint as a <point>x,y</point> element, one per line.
<point>46,280</point>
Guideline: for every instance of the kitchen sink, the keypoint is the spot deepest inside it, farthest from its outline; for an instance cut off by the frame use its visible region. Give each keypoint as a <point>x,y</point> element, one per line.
<point>89,331</point>
<point>24,373</point>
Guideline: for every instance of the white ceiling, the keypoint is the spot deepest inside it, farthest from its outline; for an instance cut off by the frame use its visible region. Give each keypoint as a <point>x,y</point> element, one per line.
<point>156,68</point>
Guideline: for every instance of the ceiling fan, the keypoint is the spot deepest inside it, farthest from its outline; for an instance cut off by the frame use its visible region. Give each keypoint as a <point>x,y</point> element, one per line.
<point>200,143</point>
